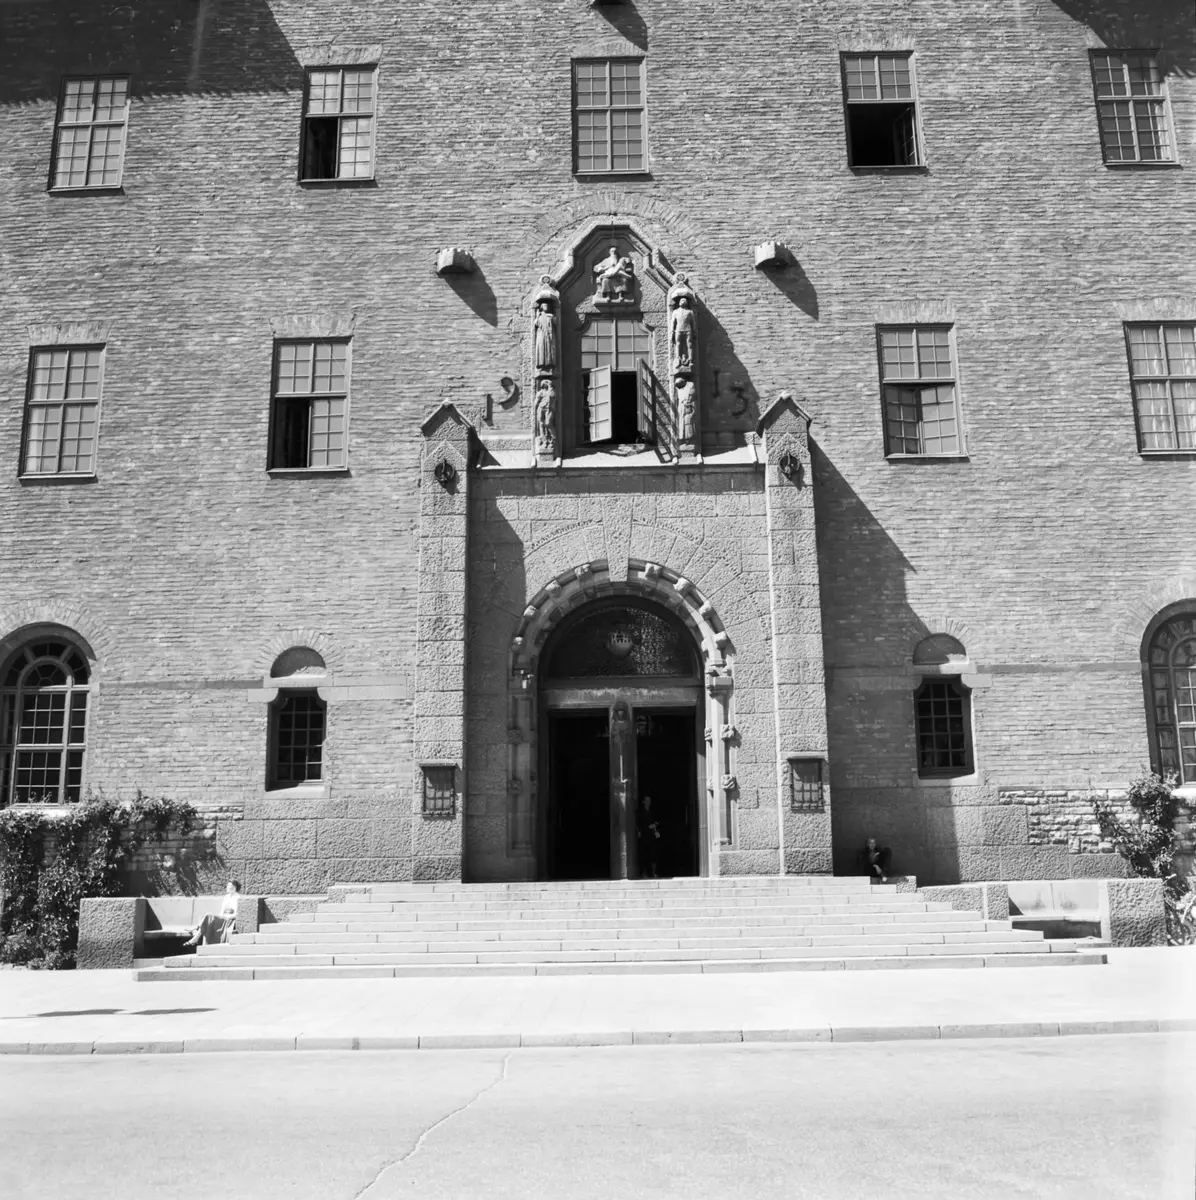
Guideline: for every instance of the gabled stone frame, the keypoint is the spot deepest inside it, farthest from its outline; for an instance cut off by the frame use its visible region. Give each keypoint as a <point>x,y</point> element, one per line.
<point>652,310</point>
<point>569,591</point>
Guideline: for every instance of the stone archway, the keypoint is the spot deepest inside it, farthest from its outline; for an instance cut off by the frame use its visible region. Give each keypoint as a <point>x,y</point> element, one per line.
<point>567,593</point>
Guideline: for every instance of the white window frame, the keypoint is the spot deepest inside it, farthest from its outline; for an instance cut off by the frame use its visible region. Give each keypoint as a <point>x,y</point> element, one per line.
<point>34,403</point>
<point>610,108</point>
<point>340,116</point>
<point>1135,102</point>
<point>1166,380</point>
<point>67,123</point>
<point>920,381</point>
<point>919,159</point>
<point>280,398</point>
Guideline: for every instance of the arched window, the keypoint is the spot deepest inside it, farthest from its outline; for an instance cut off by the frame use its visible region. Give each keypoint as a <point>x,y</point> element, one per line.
<point>942,709</point>
<point>298,724</point>
<point>1171,662</point>
<point>43,724</point>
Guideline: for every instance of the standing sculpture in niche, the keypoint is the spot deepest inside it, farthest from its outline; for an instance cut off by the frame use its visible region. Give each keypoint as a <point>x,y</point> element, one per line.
<point>546,366</point>
<point>614,278</point>
<point>545,337</point>
<point>682,306</point>
<point>681,335</point>
<point>687,395</point>
<point>546,416</point>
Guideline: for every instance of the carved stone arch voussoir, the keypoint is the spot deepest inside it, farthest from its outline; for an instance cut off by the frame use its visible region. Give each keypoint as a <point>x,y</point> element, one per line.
<point>20,620</point>
<point>940,622</point>
<point>311,639</point>
<point>1141,615</point>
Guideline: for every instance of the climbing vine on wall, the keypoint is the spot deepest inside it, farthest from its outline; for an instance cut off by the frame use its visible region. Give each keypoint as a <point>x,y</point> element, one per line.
<point>1149,843</point>
<point>51,858</point>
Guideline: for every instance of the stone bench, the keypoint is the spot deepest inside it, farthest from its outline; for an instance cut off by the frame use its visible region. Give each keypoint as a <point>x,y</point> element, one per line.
<point>116,930</point>
<point>1122,912</point>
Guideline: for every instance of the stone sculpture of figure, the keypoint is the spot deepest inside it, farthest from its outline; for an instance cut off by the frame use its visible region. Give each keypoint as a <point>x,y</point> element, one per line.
<point>545,337</point>
<point>681,334</point>
<point>614,276</point>
<point>686,407</point>
<point>546,416</point>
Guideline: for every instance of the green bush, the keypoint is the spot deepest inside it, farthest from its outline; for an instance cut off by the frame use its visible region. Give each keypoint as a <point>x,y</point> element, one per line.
<point>51,859</point>
<point>1148,842</point>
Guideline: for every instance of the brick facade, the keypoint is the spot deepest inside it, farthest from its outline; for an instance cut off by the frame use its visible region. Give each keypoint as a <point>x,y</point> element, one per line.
<point>184,568</point>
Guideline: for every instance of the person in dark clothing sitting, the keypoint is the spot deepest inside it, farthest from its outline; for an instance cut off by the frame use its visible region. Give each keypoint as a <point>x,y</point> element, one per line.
<point>874,860</point>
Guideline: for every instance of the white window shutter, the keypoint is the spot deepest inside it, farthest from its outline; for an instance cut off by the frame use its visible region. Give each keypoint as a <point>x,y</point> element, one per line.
<point>598,402</point>
<point>645,418</point>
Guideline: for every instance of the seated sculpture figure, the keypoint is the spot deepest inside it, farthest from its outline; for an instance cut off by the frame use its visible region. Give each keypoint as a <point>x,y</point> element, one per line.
<point>614,277</point>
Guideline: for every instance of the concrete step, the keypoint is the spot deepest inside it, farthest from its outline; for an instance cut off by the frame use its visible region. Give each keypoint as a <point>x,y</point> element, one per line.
<point>648,944</point>
<point>380,912</point>
<point>245,972</point>
<point>745,883</point>
<point>270,934</point>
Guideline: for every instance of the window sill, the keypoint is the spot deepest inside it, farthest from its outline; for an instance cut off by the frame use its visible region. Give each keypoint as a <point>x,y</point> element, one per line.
<point>1169,165</point>
<point>306,791</point>
<point>916,169</point>
<point>895,458</point>
<point>932,781</point>
<point>607,176</point>
<point>58,478</point>
<point>108,189</point>
<point>355,181</point>
<point>49,810</point>
<point>306,472</point>
<point>1180,454</point>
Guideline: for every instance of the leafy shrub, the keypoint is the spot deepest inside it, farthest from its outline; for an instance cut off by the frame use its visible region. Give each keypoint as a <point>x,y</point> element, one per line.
<point>1148,842</point>
<point>51,859</point>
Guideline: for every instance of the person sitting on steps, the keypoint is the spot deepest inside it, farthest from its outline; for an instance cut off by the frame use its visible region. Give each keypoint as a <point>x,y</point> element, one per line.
<point>874,860</point>
<point>213,930</point>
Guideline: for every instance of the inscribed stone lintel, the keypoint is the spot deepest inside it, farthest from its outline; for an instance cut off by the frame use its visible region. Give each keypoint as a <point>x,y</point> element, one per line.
<point>916,312</point>
<point>314,325</point>
<point>340,54</point>
<point>69,333</point>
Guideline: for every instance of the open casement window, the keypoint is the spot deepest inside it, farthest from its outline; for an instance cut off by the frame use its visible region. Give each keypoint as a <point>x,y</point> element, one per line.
<point>43,724</point>
<point>1171,661</point>
<point>943,716</point>
<point>918,392</point>
<point>882,124</point>
<point>338,125</point>
<point>1132,106</point>
<point>311,394</point>
<point>617,381</point>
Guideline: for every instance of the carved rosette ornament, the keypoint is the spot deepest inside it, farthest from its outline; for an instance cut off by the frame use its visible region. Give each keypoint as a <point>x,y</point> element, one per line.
<point>682,304</point>
<point>546,366</point>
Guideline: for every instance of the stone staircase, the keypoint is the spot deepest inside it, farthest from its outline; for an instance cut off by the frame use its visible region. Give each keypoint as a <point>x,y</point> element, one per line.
<point>644,926</point>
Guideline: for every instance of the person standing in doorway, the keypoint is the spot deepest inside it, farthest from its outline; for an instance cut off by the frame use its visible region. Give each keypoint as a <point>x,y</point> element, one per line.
<point>648,828</point>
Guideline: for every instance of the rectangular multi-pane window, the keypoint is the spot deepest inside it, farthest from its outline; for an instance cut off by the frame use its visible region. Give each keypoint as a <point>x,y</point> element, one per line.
<point>805,785</point>
<point>1163,374</point>
<point>1132,106</point>
<point>62,411</point>
<point>298,729</point>
<point>609,116</point>
<point>90,138</point>
<point>881,101</point>
<point>943,719</point>
<point>440,789</point>
<point>921,408</point>
<point>338,124</point>
<point>311,393</point>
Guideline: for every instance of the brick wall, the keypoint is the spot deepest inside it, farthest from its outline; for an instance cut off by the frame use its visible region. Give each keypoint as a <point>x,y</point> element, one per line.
<point>184,560</point>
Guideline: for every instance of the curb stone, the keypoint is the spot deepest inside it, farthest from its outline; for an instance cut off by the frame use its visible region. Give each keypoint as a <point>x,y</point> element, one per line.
<point>677,1037</point>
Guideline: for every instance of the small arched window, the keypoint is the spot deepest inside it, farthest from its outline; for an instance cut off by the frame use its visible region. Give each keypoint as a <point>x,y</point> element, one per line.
<point>43,724</point>
<point>1171,662</point>
<point>298,721</point>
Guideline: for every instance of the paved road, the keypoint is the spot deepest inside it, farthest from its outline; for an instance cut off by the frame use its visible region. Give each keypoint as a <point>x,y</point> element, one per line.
<point>1086,1117</point>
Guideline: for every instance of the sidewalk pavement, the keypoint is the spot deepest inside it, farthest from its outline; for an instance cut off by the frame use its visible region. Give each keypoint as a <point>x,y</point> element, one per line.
<point>108,1012</point>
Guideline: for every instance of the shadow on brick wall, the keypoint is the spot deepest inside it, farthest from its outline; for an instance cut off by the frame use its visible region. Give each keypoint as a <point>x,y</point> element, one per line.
<point>169,46</point>
<point>1165,25</point>
<point>477,293</point>
<point>869,630</point>
<point>628,22</point>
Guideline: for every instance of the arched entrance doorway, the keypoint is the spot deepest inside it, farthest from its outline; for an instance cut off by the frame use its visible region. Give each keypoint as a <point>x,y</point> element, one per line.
<point>622,751</point>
